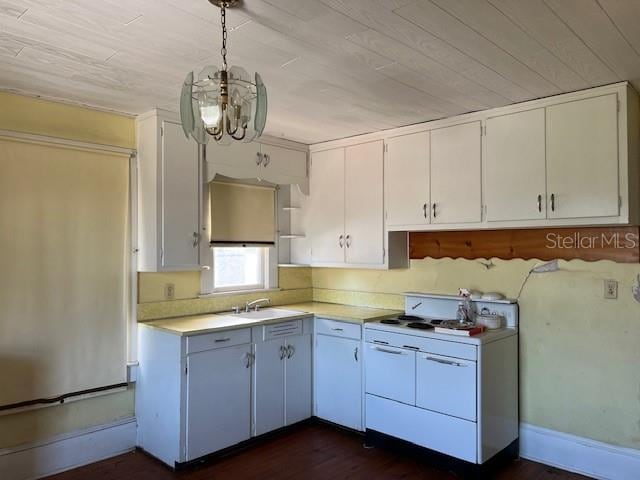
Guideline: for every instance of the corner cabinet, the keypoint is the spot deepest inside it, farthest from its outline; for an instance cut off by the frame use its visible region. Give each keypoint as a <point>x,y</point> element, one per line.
<point>169,173</point>
<point>338,368</point>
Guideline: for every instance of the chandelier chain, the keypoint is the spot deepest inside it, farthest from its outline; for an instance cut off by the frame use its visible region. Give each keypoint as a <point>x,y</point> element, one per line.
<point>223,50</point>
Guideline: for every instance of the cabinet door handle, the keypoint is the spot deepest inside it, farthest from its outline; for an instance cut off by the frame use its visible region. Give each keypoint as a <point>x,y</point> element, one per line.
<point>434,210</point>
<point>340,242</point>
<point>444,362</point>
<point>221,340</point>
<point>290,351</point>
<point>348,240</point>
<point>553,202</point>
<point>267,160</point>
<point>355,354</point>
<point>282,352</point>
<point>248,360</point>
<point>540,203</point>
<point>384,350</point>
<point>196,239</point>
<point>258,158</point>
<point>425,207</point>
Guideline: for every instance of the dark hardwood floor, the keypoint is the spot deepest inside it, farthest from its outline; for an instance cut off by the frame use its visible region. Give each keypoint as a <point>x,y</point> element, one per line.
<point>309,452</point>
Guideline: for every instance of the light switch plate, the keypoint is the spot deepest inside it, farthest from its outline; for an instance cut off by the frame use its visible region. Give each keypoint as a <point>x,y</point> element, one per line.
<point>610,289</point>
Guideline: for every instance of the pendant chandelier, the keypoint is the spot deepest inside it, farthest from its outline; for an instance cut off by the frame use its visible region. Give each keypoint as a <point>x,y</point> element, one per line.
<point>225,104</point>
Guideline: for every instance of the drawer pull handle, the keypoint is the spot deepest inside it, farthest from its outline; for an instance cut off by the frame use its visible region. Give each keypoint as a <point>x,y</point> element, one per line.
<point>381,342</point>
<point>445,362</point>
<point>355,354</point>
<point>338,329</point>
<point>220,340</point>
<point>384,350</point>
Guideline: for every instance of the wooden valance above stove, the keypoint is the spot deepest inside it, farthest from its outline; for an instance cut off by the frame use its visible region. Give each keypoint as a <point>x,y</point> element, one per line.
<point>618,244</point>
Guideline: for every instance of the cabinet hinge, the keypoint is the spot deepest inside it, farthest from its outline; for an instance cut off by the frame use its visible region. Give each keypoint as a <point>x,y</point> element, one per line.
<point>384,254</point>
<point>386,147</point>
<point>483,130</point>
<point>620,201</point>
<point>162,131</point>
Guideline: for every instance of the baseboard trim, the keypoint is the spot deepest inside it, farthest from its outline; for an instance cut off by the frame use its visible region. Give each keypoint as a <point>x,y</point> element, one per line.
<point>64,452</point>
<point>578,454</point>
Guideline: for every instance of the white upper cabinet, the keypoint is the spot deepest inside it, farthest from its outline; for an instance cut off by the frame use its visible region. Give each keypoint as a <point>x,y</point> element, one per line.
<point>364,206</point>
<point>582,158</point>
<point>347,208</point>
<point>514,166</point>
<point>281,165</point>
<point>327,210</point>
<point>168,195</point>
<point>456,174</point>
<point>180,198</point>
<point>406,180</point>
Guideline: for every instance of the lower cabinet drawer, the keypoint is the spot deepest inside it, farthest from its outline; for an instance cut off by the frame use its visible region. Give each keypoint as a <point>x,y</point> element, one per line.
<point>448,435</point>
<point>446,385</point>
<point>208,341</point>
<point>336,328</point>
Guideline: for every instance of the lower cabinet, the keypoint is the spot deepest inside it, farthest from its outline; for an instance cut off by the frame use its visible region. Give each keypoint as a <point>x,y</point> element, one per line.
<point>338,372</point>
<point>218,399</point>
<point>282,379</point>
<point>338,377</point>
<point>194,392</point>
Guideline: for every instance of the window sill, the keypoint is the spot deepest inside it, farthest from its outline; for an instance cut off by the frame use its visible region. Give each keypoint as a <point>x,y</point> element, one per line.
<point>237,292</point>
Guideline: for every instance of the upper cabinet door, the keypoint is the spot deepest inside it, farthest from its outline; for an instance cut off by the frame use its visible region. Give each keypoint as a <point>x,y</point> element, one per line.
<point>364,206</point>
<point>456,174</point>
<point>180,199</point>
<point>515,183</point>
<point>582,158</point>
<point>280,162</point>
<point>238,155</point>
<point>327,206</point>
<point>406,180</point>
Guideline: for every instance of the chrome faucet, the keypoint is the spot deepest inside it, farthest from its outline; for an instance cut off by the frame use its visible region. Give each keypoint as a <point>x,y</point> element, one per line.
<point>256,304</point>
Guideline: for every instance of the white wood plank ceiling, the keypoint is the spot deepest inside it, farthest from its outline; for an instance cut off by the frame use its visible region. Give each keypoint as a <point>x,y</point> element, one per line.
<point>333,68</point>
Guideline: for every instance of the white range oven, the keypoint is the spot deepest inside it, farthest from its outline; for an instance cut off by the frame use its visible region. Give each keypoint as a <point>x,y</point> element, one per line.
<point>453,394</point>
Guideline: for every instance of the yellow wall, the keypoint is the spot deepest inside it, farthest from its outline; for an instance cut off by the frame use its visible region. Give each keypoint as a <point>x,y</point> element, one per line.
<point>294,283</point>
<point>579,353</point>
<point>35,116</point>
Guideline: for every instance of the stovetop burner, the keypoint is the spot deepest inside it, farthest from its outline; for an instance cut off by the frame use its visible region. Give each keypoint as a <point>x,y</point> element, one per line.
<point>412,318</point>
<point>390,321</point>
<point>420,325</point>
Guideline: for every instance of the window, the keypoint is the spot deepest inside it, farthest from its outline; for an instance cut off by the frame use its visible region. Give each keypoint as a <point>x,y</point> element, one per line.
<point>239,268</point>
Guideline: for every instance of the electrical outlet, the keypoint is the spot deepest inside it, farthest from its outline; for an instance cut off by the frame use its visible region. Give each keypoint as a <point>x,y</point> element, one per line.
<point>610,289</point>
<point>169,291</point>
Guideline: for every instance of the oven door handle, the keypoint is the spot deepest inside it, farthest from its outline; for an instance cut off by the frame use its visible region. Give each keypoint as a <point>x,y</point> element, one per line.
<point>444,362</point>
<point>384,350</point>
